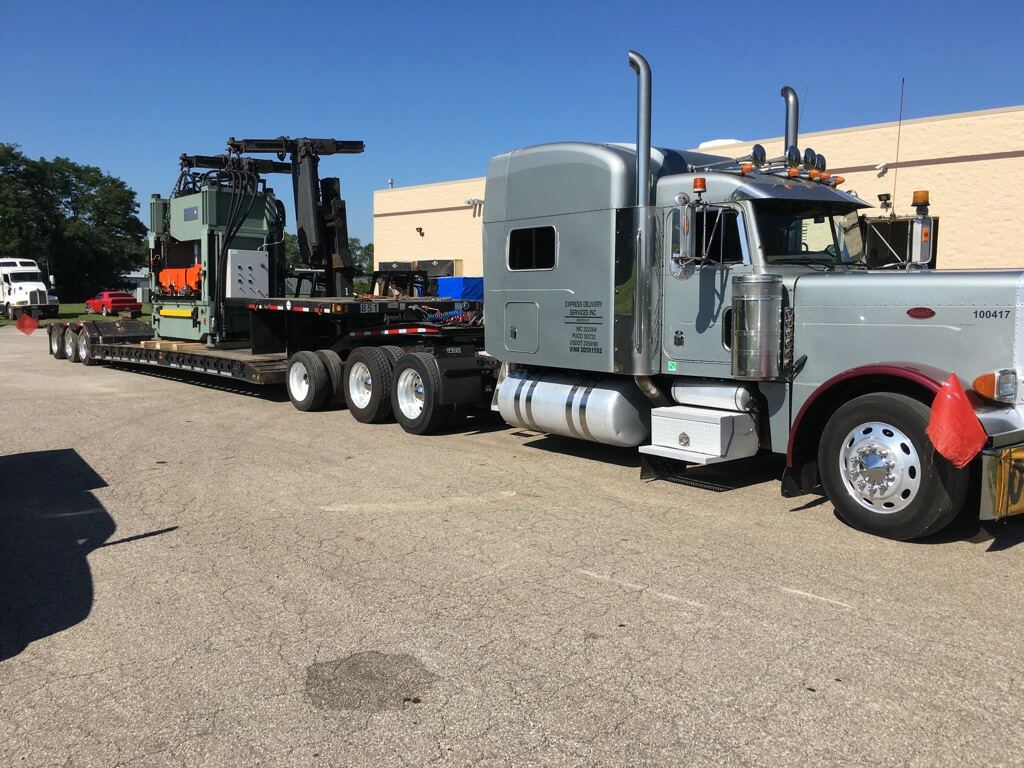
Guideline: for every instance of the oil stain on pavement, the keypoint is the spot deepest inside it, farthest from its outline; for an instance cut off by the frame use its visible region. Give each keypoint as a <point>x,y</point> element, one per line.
<point>369,681</point>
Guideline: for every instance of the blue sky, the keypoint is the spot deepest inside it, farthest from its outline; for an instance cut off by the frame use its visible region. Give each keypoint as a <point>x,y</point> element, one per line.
<point>436,88</point>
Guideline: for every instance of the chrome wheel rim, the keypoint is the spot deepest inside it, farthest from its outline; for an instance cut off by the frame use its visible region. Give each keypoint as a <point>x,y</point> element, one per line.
<point>360,385</point>
<point>83,347</point>
<point>410,393</point>
<point>880,467</point>
<point>69,345</point>
<point>298,381</point>
<point>54,343</point>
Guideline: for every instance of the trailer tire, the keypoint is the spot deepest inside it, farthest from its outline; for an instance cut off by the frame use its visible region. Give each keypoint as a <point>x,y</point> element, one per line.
<point>394,353</point>
<point>308,382</point>
<point>85,349</point>
<point>416,394</point>
<point>368,384</point>
<point>882,473</point>
<point>336,375</point>
<point>71,346</point>
<point>57,342</point>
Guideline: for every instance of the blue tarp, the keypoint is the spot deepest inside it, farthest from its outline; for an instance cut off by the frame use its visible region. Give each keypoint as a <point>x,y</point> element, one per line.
<point>461,288</point>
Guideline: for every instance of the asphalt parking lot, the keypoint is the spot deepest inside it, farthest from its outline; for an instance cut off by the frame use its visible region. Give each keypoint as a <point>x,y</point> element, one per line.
<point>198,576</point>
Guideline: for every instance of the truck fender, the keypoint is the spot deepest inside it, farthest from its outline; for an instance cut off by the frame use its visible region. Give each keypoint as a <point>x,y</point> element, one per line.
<point>918,381</point>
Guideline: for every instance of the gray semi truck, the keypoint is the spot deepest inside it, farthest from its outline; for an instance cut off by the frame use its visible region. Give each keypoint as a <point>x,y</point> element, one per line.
<point>698,308</point>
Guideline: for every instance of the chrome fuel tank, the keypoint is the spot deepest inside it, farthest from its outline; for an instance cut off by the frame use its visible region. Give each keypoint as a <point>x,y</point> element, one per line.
<point>757,327</point>
<point>603,409</point>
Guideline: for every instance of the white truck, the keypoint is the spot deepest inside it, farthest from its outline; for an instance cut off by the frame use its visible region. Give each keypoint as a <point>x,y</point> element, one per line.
<point>22,289</point>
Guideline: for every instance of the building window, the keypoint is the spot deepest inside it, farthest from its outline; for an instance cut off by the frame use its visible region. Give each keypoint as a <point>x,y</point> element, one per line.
<point>532,248</point>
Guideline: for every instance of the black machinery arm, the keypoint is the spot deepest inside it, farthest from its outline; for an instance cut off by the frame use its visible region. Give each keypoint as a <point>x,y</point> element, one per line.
<point>222,162</point>
<point>320,217</point>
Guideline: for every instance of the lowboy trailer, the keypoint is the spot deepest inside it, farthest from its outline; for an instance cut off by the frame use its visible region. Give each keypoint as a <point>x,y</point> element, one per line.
<point>698,308</point>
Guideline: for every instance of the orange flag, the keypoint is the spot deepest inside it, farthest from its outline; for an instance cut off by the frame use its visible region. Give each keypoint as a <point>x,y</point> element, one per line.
<point>26,323</point>
<point>954,428</point>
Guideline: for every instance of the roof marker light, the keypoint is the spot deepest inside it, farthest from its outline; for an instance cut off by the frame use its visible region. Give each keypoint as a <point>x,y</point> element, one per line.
<point>838,180</point>
<point>746,168</point>
<point>700,184</point>
<point>793,172</point>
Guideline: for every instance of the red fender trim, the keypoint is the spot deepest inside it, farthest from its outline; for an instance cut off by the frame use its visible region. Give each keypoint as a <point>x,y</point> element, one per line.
<point>927,376</point>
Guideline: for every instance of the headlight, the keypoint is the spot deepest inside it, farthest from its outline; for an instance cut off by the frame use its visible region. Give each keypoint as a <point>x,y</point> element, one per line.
<point>1000,385</point>
<point>52,299</point>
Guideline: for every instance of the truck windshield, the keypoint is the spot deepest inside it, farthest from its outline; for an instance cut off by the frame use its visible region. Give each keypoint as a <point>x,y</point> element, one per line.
<point>794,232</point>
<point>25,277</point>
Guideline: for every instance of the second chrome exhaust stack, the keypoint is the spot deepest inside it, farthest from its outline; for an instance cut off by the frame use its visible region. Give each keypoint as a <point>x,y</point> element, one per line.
<point>792,117</point>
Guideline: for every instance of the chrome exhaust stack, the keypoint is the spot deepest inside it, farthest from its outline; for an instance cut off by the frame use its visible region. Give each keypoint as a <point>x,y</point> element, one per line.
<point>641,355</point>
<point>792,117</point>
<point>643,127</point>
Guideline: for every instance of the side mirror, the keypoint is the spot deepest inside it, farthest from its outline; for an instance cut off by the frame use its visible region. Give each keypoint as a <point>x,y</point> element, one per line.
<point>921,241</point>
<point>684,258</point>
<point>53,282</point>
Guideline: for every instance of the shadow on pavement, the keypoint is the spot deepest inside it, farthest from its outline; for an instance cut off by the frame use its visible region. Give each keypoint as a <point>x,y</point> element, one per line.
<point>49,523</point>
<point>272,393</point>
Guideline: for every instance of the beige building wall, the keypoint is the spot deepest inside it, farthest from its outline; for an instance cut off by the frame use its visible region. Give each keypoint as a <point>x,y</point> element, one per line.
<point>970,163</point>
<point>431,221</point>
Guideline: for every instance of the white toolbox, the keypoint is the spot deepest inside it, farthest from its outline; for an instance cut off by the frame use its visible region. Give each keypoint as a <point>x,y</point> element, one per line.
<point>701,435</point>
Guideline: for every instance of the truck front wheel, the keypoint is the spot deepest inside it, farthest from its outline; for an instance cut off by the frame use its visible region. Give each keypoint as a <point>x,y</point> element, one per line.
<point>882,474</point>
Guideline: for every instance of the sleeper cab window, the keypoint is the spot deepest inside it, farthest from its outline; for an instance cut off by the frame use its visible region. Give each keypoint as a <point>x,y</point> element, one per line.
<point>532,248</point>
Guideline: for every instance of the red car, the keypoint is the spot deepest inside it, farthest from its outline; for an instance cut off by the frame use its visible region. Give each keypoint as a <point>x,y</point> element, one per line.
<point>112,302</point>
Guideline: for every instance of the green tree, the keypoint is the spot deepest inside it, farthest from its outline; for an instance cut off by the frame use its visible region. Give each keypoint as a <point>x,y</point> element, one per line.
<point>362,255</point>
<point>81,224</point>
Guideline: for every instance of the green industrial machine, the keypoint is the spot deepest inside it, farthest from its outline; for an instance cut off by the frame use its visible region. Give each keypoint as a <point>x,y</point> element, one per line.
<point>217,243</point>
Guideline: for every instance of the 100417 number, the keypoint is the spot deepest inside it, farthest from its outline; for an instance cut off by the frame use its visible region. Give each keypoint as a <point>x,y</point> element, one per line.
<point>992,314</point>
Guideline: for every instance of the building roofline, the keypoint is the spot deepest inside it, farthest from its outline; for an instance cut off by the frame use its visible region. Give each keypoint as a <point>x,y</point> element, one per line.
<point>431,184</point>
<point>890,124</point>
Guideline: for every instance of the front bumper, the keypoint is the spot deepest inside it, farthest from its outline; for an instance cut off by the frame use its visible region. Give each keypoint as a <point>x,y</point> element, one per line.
<point>1002,482</point>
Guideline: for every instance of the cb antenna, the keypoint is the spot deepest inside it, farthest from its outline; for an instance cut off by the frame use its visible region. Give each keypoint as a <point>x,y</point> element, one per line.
<point>896,165</point>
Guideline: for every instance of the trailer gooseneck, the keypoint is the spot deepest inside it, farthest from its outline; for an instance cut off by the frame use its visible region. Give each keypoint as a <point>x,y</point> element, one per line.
<point>696,307</point>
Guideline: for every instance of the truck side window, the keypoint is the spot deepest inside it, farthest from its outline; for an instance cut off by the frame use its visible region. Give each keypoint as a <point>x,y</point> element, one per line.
<point>716,230</point>
<point>532,248</point>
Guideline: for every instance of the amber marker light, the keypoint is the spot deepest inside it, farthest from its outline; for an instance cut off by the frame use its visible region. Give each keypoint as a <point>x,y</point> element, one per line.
<point>920,197</point>
<point>793,172</point>
<point>838,180</point>
<point>1000,385</point>
<point>700,184</point>
<point>746,168</point>
<point>825,176</point>
<point>814,174</point>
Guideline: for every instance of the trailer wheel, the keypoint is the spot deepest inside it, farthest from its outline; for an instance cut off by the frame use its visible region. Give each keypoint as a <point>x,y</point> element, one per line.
<point>57,342</point>
<point>308,382</point>
<point>416,393</point>
<point>335,374</point>
<point>393,352</point>
<point>71,346</point>
<point>882,474</point>
<point>368,384</point>
<point>85,349</point>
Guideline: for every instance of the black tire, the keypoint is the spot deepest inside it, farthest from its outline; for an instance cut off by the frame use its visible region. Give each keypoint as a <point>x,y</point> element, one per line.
<point>933,489</point>
<point>71,346</point>
<point>335,373</point>
<point>85,349</point>
<point>415,372</point>
<point>393,352</point>
<point>371,402</point>
<point>307,381</point>
<point>57,342</point>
